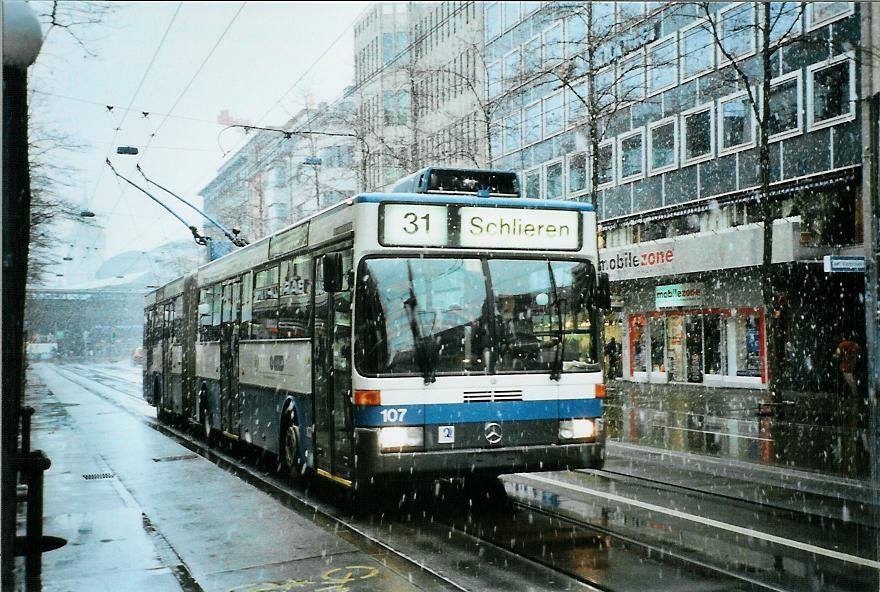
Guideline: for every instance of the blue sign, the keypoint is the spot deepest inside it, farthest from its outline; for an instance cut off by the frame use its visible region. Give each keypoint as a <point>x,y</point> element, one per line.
<point>835,264</point>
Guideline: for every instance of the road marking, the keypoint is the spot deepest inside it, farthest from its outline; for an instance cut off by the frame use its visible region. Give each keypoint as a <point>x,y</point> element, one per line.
<point>710,522</point>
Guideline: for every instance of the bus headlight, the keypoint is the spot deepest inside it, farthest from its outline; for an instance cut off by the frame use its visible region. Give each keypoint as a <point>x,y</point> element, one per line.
<point>577,429</point>
<point>401,437</point>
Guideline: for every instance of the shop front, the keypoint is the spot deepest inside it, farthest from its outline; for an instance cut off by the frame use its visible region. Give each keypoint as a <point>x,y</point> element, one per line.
<point>691,308</point>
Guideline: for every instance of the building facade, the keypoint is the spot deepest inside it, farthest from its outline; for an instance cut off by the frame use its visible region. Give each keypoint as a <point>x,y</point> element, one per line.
<point>419,76</point>
<point>278,177</point>
<point>672,163</point>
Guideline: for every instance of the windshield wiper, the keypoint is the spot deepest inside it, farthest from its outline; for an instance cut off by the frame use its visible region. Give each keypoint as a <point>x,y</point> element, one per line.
<point>559,353</point>
<point>421,343</point>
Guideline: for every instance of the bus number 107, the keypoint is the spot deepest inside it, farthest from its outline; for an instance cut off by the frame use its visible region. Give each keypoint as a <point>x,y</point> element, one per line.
<point>392,415</point>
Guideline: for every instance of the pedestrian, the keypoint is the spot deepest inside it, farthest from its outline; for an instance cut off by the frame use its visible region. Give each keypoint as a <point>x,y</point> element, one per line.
<point>612,350</point>
<point>848,353</point>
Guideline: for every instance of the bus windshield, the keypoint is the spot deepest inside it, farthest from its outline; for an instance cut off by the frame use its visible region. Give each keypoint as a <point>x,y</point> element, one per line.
<point>440,316</point>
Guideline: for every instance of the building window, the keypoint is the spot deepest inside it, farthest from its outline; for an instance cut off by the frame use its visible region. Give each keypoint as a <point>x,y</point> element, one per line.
<point>785,106</point>
<point>511,14</point>
<point>820,14</point>
<point>697,51</point>
<point>512,137</point>
<point>629,12</point>
<point>553,174</point>
<point>575,34</point>
<point>532,56</point>
<point>831,91</point>
<point>530,7</point>
<point>605,164</point>
<point>785,20</point>
<point>632,77</point>
<point>532,124</point>
<point>736,28</point>
<point>662,146</point>
<point>662,64</point>
<point>698,130</point>
<point>577,109</point>
<point>631,152</point>
<point>736,123</point>
<point>604,81</point>
<point>577,173</point>
<point>512,69</point>
<point>493,20</point>
<point>554,115</point>
<point>493,78</point>
<point>553,45</point>
<point>387,47</point>
<point>533,184</point>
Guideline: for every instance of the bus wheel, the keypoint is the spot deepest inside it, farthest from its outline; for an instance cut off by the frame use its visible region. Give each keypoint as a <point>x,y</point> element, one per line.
<point>291,463</point>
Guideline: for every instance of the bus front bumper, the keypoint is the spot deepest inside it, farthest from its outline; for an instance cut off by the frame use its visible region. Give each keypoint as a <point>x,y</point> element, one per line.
<point>469,461</point>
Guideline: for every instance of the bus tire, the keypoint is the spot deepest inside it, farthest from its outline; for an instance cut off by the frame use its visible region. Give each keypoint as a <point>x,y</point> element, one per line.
<point>292,467</point>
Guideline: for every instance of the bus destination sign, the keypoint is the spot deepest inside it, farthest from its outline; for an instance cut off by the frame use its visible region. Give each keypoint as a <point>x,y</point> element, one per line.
<point>479,227</point>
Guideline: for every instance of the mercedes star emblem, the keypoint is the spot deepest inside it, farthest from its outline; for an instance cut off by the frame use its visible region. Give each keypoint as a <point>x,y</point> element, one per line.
<point>493,433</point>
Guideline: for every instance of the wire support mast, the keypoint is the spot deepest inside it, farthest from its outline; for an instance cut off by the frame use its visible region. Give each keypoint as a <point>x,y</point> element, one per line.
<point>200,240</point>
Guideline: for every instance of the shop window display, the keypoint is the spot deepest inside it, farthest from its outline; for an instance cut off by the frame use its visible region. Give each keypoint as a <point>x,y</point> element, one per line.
<point>698,346</point>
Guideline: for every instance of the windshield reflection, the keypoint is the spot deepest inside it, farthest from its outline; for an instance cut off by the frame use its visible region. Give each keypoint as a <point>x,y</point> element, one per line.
<point>437,316</point>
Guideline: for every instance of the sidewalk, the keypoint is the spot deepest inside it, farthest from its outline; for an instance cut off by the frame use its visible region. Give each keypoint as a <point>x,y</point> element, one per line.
<point>141,512</point>
<point>809,432</point>
<point>796,489</point>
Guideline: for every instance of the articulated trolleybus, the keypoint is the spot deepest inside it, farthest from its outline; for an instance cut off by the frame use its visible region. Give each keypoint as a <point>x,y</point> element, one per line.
<point>447,329</point>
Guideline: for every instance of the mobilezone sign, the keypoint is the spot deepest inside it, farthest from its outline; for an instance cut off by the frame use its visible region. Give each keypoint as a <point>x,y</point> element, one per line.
<point>706,251</point>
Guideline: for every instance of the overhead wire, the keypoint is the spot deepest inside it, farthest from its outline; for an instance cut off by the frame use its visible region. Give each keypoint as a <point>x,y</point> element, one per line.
<point>180,97</point>
<point>125,114</point>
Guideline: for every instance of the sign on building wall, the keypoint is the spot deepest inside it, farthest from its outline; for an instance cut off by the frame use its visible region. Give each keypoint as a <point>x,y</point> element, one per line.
<point>676,295</point>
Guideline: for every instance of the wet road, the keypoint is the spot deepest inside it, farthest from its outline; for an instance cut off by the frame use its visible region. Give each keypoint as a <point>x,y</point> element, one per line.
<point>557,531</point>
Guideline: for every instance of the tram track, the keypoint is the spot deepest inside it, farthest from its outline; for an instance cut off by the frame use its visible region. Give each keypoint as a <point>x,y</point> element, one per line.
<point>592,535</point>
<point>330,517</point>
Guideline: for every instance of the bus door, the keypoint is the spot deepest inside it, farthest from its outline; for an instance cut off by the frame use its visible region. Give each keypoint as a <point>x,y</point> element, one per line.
<point>167,357</point>
<point>230,401</point>
<point>331,373</point>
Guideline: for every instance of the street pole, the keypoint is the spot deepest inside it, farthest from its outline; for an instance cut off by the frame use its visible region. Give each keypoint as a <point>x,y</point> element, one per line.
<point>22,38</point>
<point>870,92</point>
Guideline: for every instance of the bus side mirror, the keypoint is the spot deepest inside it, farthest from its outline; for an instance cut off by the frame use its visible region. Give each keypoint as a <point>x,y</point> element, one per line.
<point>603,292</point>
<point>332,272</point>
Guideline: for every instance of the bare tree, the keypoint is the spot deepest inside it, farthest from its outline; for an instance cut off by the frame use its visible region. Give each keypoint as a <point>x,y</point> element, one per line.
<point>734,35</point>
<point>51,179</point>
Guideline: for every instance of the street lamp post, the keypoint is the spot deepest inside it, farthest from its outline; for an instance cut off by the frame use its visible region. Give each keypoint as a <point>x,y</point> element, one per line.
<point>315,162</point>
<point>22,38</point>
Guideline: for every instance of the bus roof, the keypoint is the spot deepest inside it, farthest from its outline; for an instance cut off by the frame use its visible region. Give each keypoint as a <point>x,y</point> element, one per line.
<point>465,200</point>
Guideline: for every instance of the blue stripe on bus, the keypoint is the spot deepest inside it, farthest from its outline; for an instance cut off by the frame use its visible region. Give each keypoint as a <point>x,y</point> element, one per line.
<point>448,413</point>
<point>516,202</point>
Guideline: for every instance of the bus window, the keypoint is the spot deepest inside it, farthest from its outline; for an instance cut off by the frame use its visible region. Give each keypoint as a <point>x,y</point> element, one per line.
<point>205,297</point>
<point>265,304</point>
<point>295,300</point>
<point>177,321</point>
<point>216,308</point>
<point>246,307</point>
